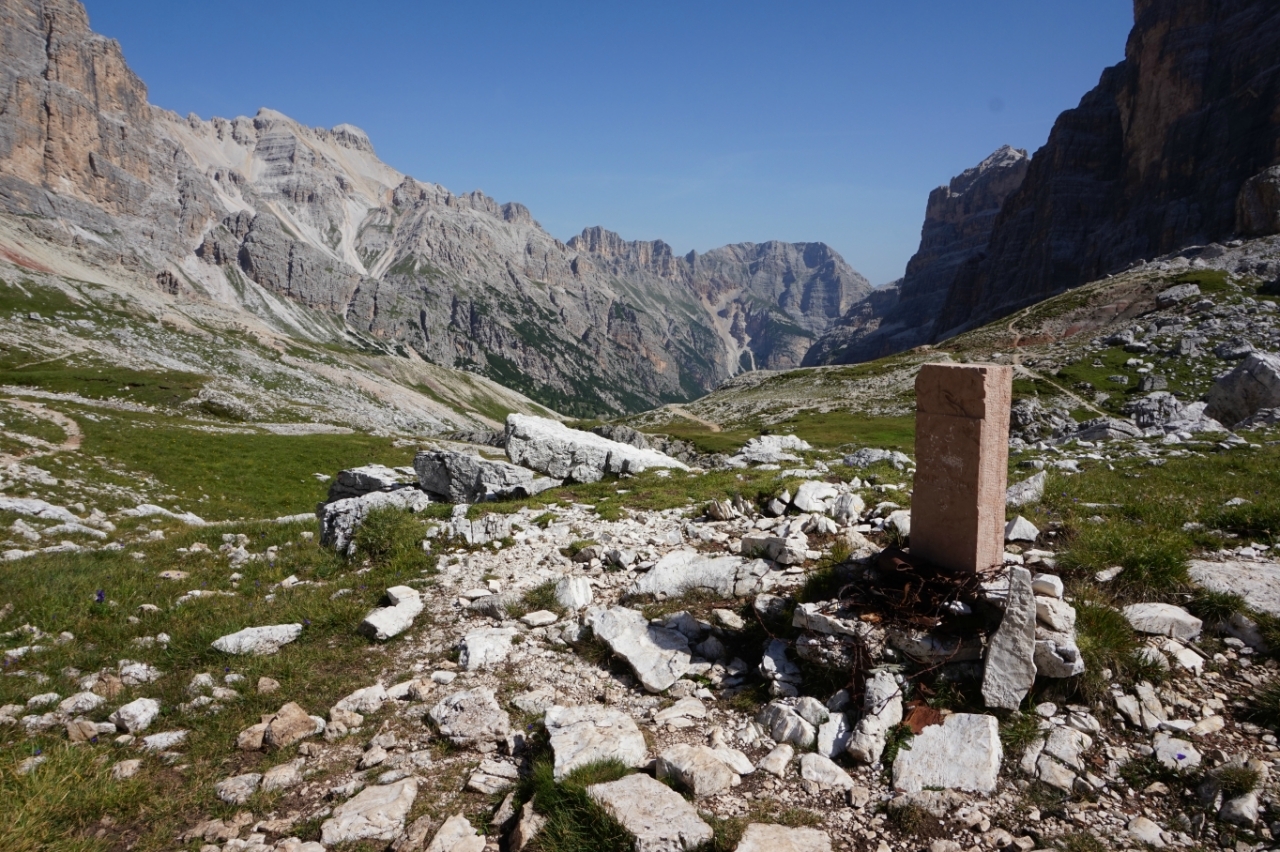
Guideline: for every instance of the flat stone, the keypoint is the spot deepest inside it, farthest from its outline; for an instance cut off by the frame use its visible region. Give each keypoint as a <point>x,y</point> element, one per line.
<point>550,447</point>
<point>963,753</point>
<point>237,789</point>
<point>457,835</point>
<point>686,708</point>
<point>366,700</point>
<point>1257,582</point>
<point>81,703</point>
<point>375,813</point>
<point>574,593</point>
<point>658,656</point>
<point>486,647</point>
<point>658,817</point>
<point>1175,753</point>
<point>289,725</point>
<point>1028,492</point>
<point>1161,619</point>
<point>540,618</point>
<point>698,769</point>
<point>385,622</point>
<point>589,733</point>
<point>833,735</point>
<point>471,717</point>
<point>1047,585</point>
<point>465,478</point>
<point>1145,831</point>
<point>1056,614</point>
<point>136,715</point>
<point>1010,668</point>
<point>164,740</point>
<point>686,570</point>
<point>258,640</point>
<point>284,776</point>
<point>824,772</point>
<point>777,760</point>
<point>761,837</point>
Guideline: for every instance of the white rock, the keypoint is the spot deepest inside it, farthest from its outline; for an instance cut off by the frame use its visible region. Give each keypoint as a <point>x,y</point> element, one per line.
<point>785,725</point>
<point>237,789</point>
<point>1241,811</point>
<point>848,509</point>
<point>367,700</point>
<point>823,772</point>
<point>686,708</point>
<point>375,813</point>
<point>658,817</point>
<point>471,717</point>
<point>467,478</point>
<point>125,769</point>
<point>340,519</point>
<point>540,618</point>
<point>387,621</point>
<point>284,776</point>
<point>574,593</point>
<point>457,835</point>
<point>777,760</point>
<point>81,703</point>
<point>1257,582</point>
<point>1056,614</point>
<point>1161,619</point>
<point>761,837</point>
<point>136,715</point>
<point>963,753</point>
<point>258,640</point>
<point>658,656</point>
<point>589,733</point>
<point>1145,831</point>
<point>1048,585</point>
<point>685,570</point>
<point>882,710</point>
<point>165,740</point>
<point>1027,492</point>
<point>486,647</point>
<point>1020,529</point>
<point>1057,655</point>
<point>899,520</point>
<point>550,447</point>
<point>833,735</point>
<point>1175,753</point>
<point>1010,668</point>
<point>814,495</point>
<point>698,769</point>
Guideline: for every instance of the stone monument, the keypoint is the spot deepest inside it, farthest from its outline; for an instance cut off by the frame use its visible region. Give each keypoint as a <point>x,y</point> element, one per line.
<point>962,465</point>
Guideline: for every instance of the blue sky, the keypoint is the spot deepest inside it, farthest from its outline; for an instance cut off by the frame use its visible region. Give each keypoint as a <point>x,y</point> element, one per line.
<point>700,122</point>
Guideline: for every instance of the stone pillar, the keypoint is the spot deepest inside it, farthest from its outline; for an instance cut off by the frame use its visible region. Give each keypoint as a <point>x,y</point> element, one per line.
<point>962,464</point>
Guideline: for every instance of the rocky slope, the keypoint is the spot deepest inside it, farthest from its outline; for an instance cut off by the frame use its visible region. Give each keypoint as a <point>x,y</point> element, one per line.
<point>241,212</point>
<point>958,222</point>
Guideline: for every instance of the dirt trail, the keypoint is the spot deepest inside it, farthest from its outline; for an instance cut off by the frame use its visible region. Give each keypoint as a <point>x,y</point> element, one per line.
<point>71,443</point>
<point>1020,369</point>
<point>688,415</point>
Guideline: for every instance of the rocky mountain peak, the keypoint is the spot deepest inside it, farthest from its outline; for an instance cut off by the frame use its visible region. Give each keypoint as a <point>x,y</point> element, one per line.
<point>350,136</point>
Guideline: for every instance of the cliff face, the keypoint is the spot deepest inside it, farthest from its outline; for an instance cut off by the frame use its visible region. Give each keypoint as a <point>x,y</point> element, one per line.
<point>1159,156</point>
<point>309,230</point>
<point>958,223</point>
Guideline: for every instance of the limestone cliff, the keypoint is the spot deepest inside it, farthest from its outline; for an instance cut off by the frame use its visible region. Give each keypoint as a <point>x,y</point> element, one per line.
<point>298,224</point>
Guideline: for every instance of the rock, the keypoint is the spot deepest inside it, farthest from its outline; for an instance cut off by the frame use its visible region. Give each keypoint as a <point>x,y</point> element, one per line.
<point>899,520</point>
<point>586,734</point>
<point>824,772</point>
<point>1020,529</point>
<point>1145,831</point>
<point>657,816</point>
<point>359,481</point>
<point>685,708</point>
<point>1028,492</point>
<point>526,829</point>
<point>1107,429</point>
<point>1175,294</point>
<point>1241,811</point>
<point>1175,753</point>
<point>1055,614</point>
<point>771,449</point>
<point>1010,669</point>
<point>834,736</point>
<point>868,456</point>
<point>375,813</point>
<point>125,769</point>
<point>658,656</point>
<point>486,647</point>
<point>882,710</point>
<point>289,725</point>
<point>387,621</point>
<point>366,700</point>
<point>340,519</point>
<point>777,760</point>
<point>1047,585</point>
<point>81,703</point>
<point>136,715</point>
<point>761,837</point>
<point>1253,385</point>
<point>550,447</point>
<point>164,741</point>
<point>239,788</point>
<point>963,753</point>
<point>268,685</point>
<point>493,777</point>
<point>1161,619</point>
<point>284,776</point>
<point>815,496</point>
<point>785,725</point>
<point>734,759</point>
<point>1056,655</point>
<point>698,769</point>
<point>848,509</point>
<point>457,835</point>
<point>471,717</point>
<point>574,593</point>
<point>462,478</point>
<point>1257,582</point>
<point>258,640</point>
<point>686,570</point>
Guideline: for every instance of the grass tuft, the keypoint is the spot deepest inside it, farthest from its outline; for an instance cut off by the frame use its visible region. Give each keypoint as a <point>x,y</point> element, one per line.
<point>1264,708</point>
<point>575,823</point>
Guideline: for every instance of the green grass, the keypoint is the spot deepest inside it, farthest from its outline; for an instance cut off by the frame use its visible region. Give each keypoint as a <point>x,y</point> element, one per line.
<point>727,832</point>
<point>575,823</point>
<point>1106,641</point>
<point>392,538</point>
<point>1264,706</point>
<point>540,597</point>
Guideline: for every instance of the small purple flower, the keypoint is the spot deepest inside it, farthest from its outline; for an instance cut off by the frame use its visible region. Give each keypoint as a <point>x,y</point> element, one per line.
<point>306,622</point>
<point>1181,756</point>
<point>39,751</point>
<point>100,596</point>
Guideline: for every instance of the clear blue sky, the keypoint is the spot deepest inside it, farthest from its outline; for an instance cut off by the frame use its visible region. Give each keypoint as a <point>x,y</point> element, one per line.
<point>700,122</point>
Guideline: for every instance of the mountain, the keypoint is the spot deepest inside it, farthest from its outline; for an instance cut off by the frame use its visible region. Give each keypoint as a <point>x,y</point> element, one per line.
<point>266,215</point>
<point>958,222</point>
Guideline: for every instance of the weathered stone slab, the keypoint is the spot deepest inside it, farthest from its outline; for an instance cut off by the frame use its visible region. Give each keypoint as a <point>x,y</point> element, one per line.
<point>685,570</point>
<point>1161,619</point>
<point>583,735</point>
<point>698,769</point>
<point>963,753</point>
<point>385,622</point>
<point>962,452</point>
<point>471,717</point>
<point>658,656</point>
<point>550,447</point>
<point>375,813</point>
<point>1257,582</point>
<point>258,640</point>
<point>659,817</point>
<point>1010,669</point>
<point>463,478</point>
<point>1253,385</point>
<point>762,837</point>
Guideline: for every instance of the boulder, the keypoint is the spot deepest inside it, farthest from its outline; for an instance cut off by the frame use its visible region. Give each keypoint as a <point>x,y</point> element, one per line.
<point>359,481</point>
<point>1107,429</point>
<point>882,710</point>
<point>554,449</point>
<point>1161,619</point>
<point>963,753</point>
<point>486,647</point>
<point>375,813</point>
<point>471,717</point>
<point>848,509</point>
<point>824,772</point>
<point>785,725</point>
<point>815,496</point>
<point>387,621</point>
<point>340,519</point>
<point>698,769</point>
<point>258,640</point>
<point>762,837</point>
<point>289,725</point>
<point>464,478</point>
<point>589,733</point>
<point>1175,294</point>
<point>1028,492</point>
<point>686,570</point>
<point>136,716</point>
<point>658,656</point>
<point>574,593</point>
<point>1253,385</point>
<point>870,455</point>
<point>658,817</point>
<point>1010,668</point>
